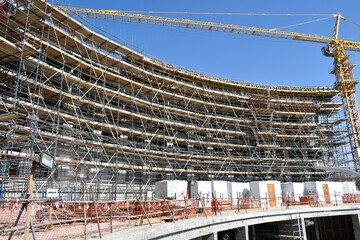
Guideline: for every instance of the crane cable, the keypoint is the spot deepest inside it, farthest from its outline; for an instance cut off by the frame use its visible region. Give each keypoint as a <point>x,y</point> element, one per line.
<point>356,26</point>
<point>299,24</point>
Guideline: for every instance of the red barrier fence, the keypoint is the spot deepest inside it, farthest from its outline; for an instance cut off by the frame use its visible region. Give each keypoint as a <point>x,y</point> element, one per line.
<point>59,220</point>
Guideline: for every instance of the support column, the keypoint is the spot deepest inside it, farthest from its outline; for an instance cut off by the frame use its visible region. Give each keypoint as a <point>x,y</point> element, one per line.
<point>215,236</point>
<point>246,232</point>
<point>253,231</point>
<point>317,232</point>
<point>303,228</point>
<point>356,225</point>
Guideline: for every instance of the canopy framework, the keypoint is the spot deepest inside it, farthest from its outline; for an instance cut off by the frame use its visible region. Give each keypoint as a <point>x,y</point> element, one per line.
<point>113,118</point>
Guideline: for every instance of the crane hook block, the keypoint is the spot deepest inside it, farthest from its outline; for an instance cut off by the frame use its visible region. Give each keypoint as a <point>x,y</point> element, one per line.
<point>327,51</point>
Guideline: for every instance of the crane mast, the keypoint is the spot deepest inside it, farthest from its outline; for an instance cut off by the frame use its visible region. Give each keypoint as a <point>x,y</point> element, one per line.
<point>345,82</point>
<point>346,86</point>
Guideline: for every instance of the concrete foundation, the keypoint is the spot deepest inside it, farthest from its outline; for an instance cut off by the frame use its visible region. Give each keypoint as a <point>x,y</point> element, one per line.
<point>304,223</point>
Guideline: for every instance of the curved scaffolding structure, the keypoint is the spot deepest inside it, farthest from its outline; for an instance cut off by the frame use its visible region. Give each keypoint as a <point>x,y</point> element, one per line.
<point>116,119</point>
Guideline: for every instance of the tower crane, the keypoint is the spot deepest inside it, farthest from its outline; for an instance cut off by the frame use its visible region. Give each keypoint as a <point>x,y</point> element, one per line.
<point>334,47</point>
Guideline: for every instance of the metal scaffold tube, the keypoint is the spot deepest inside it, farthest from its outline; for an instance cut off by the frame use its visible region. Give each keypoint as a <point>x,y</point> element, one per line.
<point>115,119</point>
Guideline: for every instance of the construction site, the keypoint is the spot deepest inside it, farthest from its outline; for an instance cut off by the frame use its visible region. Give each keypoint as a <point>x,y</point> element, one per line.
<point>115,122</point>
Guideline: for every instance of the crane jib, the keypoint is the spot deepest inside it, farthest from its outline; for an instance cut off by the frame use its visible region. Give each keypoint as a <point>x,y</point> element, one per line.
<point>210,26</point>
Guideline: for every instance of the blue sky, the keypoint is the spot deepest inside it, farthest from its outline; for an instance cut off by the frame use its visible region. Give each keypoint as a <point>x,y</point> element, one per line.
<point>237,57</point>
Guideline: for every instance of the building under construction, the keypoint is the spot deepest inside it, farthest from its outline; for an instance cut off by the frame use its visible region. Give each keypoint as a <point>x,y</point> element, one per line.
<point>119,121</point>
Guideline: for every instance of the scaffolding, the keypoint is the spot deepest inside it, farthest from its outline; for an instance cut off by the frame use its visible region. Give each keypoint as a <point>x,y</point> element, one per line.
<point>117,120</point>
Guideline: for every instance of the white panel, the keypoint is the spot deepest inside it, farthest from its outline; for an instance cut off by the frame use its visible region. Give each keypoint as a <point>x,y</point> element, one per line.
<point>336,192</point>
<point>238,189</point>
<point>220,189</point>
<point>52,193</point>
<point>298,191</point>
<point>349,187</point>
<point>175,189</point>
<point>202,188</point>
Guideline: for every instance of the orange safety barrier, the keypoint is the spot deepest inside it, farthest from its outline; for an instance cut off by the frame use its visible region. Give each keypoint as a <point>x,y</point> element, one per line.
<point>3,13</point>
<point>248,203</point>
<point>51,215</point>
<point>351,198</point>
